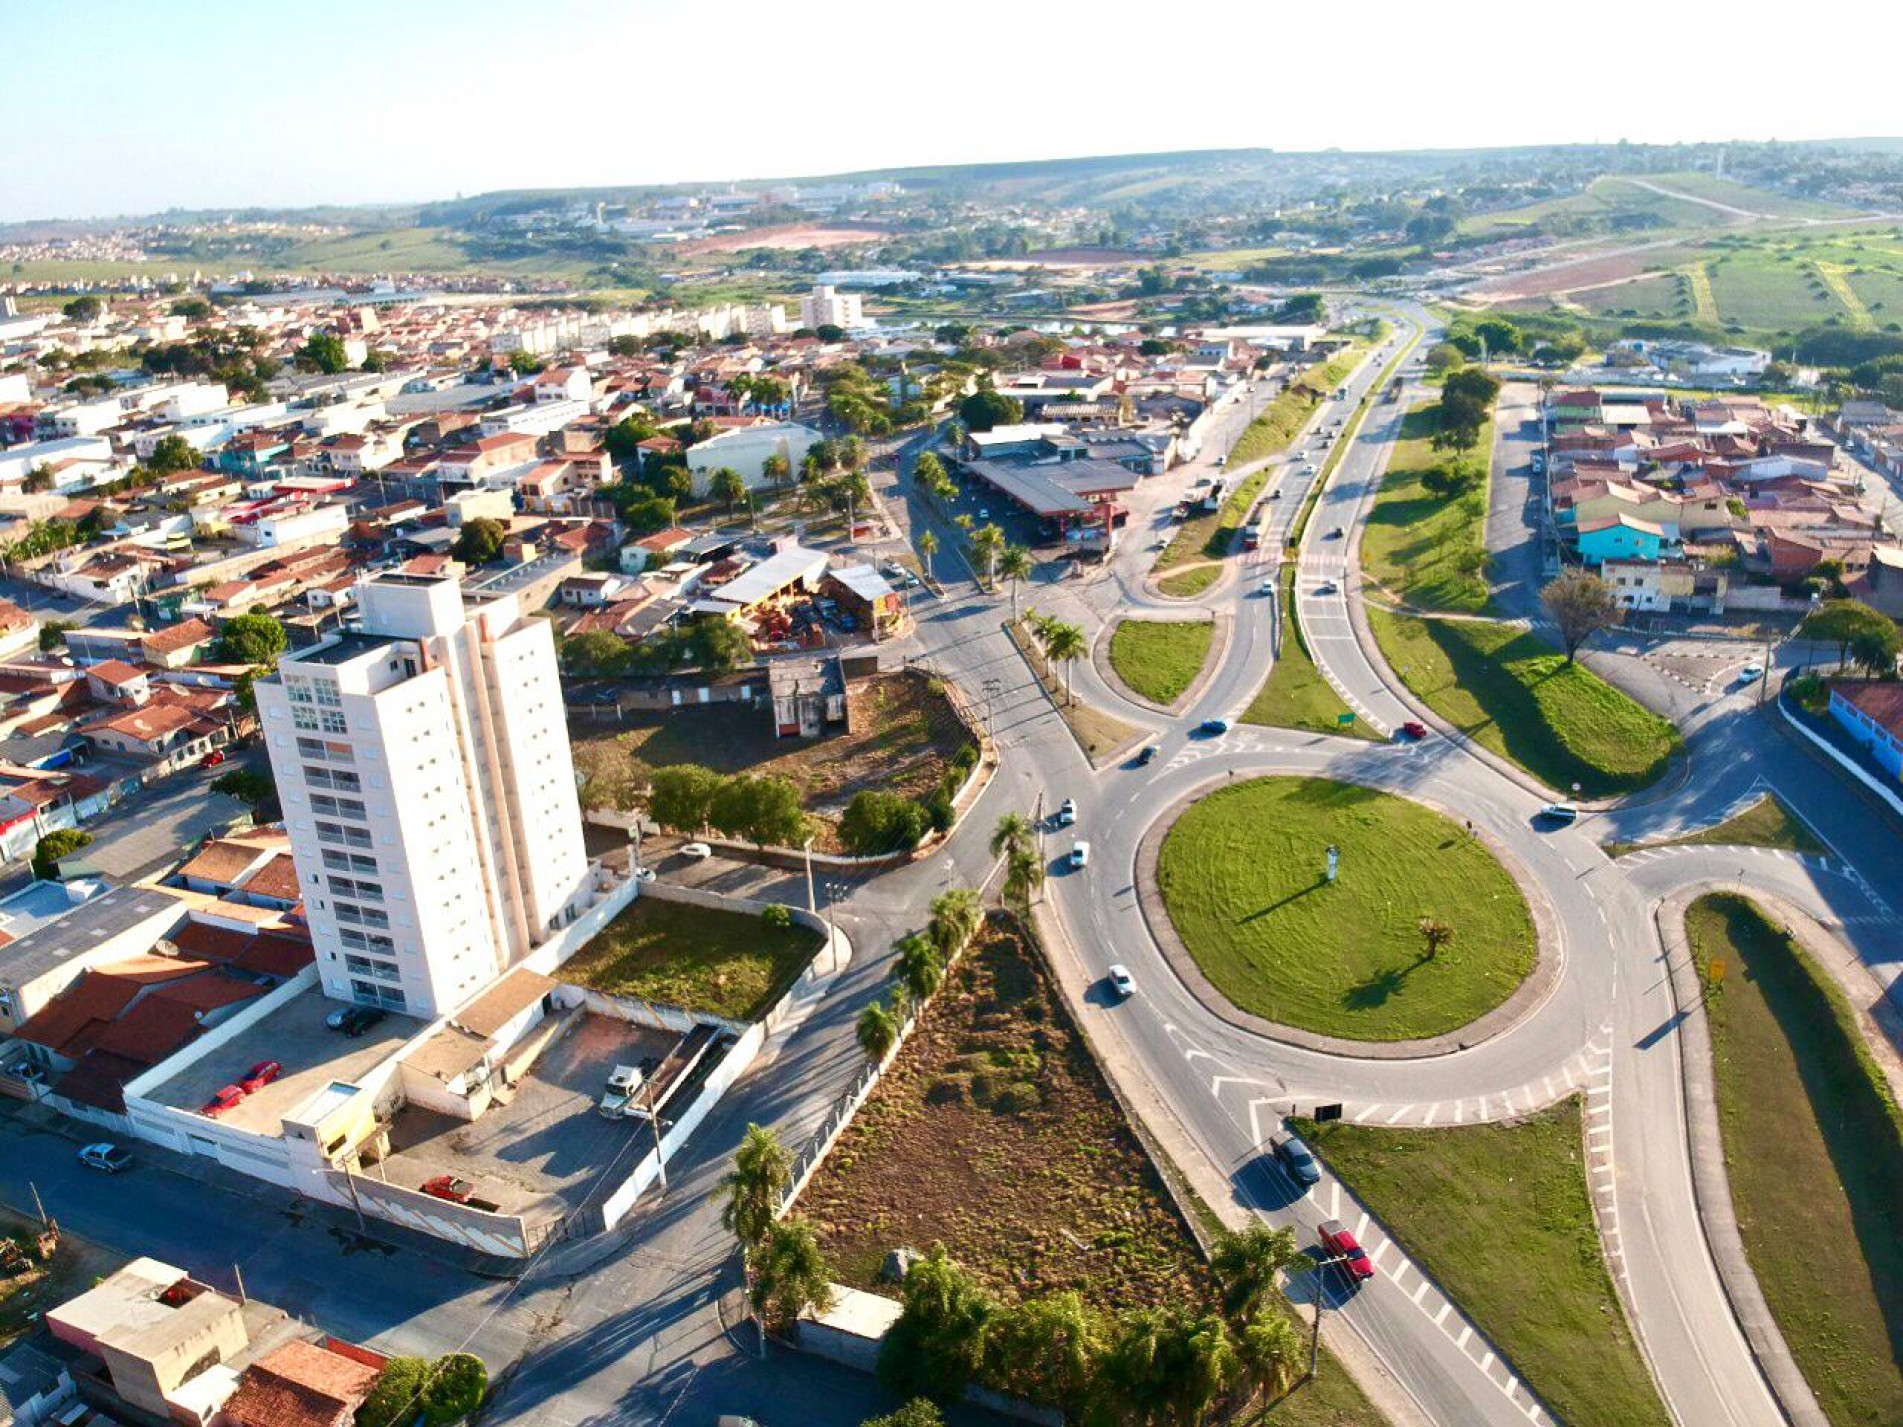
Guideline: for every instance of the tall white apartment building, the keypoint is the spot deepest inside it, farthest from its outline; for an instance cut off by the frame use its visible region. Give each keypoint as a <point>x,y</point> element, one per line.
<point>424,768</point>
<point>828,305</point>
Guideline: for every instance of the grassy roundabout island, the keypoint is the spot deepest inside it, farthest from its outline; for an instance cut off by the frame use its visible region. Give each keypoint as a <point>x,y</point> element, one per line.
<point>1241,874</point>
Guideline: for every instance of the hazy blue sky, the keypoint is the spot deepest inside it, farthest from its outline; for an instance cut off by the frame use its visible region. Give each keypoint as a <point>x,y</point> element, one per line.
<point>127,106</point>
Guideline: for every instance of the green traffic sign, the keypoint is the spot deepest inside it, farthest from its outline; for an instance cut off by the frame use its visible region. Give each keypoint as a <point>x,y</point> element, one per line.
<point>1344,720</point>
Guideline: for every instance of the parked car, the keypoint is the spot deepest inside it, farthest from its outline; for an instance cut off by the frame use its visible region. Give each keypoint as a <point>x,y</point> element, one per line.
<point>1080,856</point>
<point>448,1186</point>
<point>1751,673</point>
<point>1559,813</point>
<point>1297,1158</point>
<point>223,1101</point>
<point>614,1104</point>
<point>356,1021</point>
<point>1414,729</point>
<point>696,849</point>
<point>212,759</point>
<point>1122,982</point>
<point>259,1076</point>
<point>1345,1250</point>
<point>1146,755</point>
<point>1067,812</point>
<point>644,874</point>
<point>106,1157</point>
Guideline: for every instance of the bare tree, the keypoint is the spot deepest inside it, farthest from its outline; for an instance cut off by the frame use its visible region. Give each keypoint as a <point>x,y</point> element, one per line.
<point>1581,604</point>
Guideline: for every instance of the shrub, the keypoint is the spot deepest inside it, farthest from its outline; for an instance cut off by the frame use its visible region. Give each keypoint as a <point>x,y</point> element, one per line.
<point>877,822</point>
<point>54,846</point>
<point>394,1397</point>
<point>457,1383</point>
<point>777,917</point>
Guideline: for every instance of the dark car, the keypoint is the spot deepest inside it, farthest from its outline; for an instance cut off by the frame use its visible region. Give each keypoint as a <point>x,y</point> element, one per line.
<point>1147,755</point>
<point>1298,1159</point>
<point>358,1020</point>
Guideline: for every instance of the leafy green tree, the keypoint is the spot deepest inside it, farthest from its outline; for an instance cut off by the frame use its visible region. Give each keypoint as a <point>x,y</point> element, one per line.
<point>53,634</point>
<point>790,1275</point>
<point>1167,1368</point>
<point>919,1412</point>
<point>1012,832</point>
<point>480,541</point>
<point>717,645</point>
<point>1875,648</point>
<point>248,785</point>
<point>250,639</point>
<point>458,1382</point>
<point>776,470</point>
<point>171,453</point>
<point>1581,604</point>
<point>919,966</point>
<point>1023,875</point>
<point>396,1396</point>
<point>596,653</point>
<point>928,547</point>
<point>1014,564</point>
<point>938,1343</point>
<point>645,513</point>
<point>1444,357</point>
<point>1064,644</point>
<point>877,821</point>
<point>762,1173</point>
<point>681,796</point>
<point>762,809</point>
<point>323,353</point>
<point>1246,1264</point>
<point>55,845</point>
<point>1269,1355</point>
<point>1437,935</point>
<point>987,543</point>
<point>525,364</point>
<point>40,478</point>
<point>1840,622</point>
<point>85,308</point>
<point>983,410</point>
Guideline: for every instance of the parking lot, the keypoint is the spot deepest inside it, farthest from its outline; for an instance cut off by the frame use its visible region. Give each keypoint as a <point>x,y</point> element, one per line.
<point>313,1056</point>
<point>547,1148</point>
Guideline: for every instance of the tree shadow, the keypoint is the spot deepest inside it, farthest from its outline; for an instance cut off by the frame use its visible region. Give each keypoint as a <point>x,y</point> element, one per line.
<point>1378,989</point>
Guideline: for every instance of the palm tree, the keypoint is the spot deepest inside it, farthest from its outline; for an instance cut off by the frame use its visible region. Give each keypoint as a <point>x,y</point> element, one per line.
<point>1437,934</point>
<point>851,452</point>
<point>987,542</point>
<point>1211,1366</point>
<point>1246,1263</point>
<point>919,968</point>
<point>1012,832</point>
<point>727,484</point>
<point>1065,643</point>
<point>791,1276</point>
<point>762,1171</point>
<point>1048,1349</point>
<point>1014,563</point>
<point>955,916</point>
<point>777,470</point>
<point>1269,1354</point>
<point>928,547</point>
<point>878,1031</point>
<point>1023,874</point>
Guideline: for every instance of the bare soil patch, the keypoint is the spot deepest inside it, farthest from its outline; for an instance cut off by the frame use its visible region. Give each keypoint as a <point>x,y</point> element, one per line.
<point>789,237</point>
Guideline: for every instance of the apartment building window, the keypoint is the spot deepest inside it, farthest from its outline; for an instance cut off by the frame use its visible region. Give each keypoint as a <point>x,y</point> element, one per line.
<point>348,836</point>
<point>339,807</point>
<point>324,750</point>
<point>341,780</point>
<point>363,966</point>
<point>366,941</point>
<point>351,887</point>
<point>349,862</point>
<point>386,996</point>
<point>362,916</point>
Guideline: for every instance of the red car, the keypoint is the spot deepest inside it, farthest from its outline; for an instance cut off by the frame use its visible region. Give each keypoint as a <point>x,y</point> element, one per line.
<point>1345,1250</point>
<point>222,1101</point>
<point>213,758</point>
<point>1414,728</point>
<point>259,1076</point>
<point>447,1186</point>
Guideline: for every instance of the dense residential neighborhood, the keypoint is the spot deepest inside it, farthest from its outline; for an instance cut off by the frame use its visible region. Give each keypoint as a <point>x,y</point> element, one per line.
<point>1193,786</point>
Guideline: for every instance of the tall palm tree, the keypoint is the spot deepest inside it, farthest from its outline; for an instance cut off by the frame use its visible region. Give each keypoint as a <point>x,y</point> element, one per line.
<point>928,547</point>
<point>1065,644</point>
<point>1023,874</point>
<point>1246,1263</point>
<point>878,1031</point>
<point>762,1171</point>
<point>987,543</point>
<point>1269,1354</point>
<point>955,916</point>
<point>920,968</point>
<point>1014,563</point>
<point>791,1276</point>
<point>1013,831</point>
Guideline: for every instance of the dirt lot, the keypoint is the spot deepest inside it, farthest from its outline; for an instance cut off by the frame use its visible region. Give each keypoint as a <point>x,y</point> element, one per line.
<point>75,1266</point>
<point>790,237</point>
<point>994,1134</point>
<point>903,736</point>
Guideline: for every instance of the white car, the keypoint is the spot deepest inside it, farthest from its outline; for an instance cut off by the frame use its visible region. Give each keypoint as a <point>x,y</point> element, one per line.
<point>1559,813</point>
<point>644,874</point>
<point>1080,856</point>
<point>1751,673</point>
<point>1122,982</point>
<point>625,1078</point>
<point>1267,587</point>
<point>696,849</point>
<point>1067,812</point>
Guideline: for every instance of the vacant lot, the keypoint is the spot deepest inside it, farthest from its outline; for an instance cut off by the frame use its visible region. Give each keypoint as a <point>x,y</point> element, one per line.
<point>1662,297</point>
<point>994,1134</point>
<point>1500,1216</point>
<point>1512,692</point>
<point>1765,291</point>
<point>728,964</point>
<point>1295,695</point>
<point>903,734</point>
<point>1241,874</point>
<point>75,1267</point>
<point>1814,1153</point>
<point>1429,550</point>
<point>1766,823</point>
<point>1159,659</point>
<point>789,237</point>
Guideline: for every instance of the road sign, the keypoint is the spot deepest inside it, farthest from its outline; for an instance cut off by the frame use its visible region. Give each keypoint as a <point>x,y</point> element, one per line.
<point>1324,1113</point>
<point>1344,720</point>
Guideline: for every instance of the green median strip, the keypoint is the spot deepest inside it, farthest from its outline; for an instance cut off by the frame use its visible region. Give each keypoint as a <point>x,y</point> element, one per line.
<point>1159,659</point>
<point>1500,1217</point>
<point>1295,695</point>
<point>1813,1143</point>
<point>1426,537</point>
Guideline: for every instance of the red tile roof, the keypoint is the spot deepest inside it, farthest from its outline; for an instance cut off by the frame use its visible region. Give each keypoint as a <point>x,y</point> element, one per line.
<point>299,1385</point>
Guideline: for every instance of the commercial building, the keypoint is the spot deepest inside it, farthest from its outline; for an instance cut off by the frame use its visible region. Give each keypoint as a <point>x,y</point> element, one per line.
<point>424,768</point>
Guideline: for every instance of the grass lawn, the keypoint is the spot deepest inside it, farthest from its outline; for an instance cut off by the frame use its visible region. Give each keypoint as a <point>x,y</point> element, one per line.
<point>1160,659</point>
<point>1814,1152</point>
<point>1187,584</point>
<point>1099,734</point>
<point>1514,693</point>
<point>1295,695</point>
<point>1241,873</point>
<point>1208,535</point>
<point>1500,1215</point>
<point>994,1134</point>
<point>1429,550</point>
<point>1766,823</point>
<point>725,963</point>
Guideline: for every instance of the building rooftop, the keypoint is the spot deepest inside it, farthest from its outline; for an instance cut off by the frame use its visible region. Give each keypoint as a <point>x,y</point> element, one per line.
<point>343,649</point>
<point>55,942</point>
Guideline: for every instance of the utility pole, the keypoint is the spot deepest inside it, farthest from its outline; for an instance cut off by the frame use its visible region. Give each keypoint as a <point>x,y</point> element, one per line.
<point>38,1207</point>
<point>238,1274</point>
<point>654,1122</point>
<point>812,904</point>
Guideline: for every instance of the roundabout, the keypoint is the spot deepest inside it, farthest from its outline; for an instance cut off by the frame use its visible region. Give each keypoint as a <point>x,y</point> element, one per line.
<point>1420,933</point>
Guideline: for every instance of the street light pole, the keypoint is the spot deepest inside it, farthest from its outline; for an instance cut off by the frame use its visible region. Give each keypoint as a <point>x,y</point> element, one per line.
<point>812,904</point>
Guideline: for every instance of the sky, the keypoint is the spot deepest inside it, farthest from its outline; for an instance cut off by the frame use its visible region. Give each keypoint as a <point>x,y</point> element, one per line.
<point>133,106</point>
